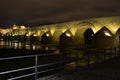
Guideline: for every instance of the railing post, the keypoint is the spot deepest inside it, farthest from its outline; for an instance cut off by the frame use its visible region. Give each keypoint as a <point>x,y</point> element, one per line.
<point>119,50</point>
<point>36,69</point>
<point>110,54</point>
<point>97,53</point>
<point>104,52</point>
<point>76,61</point>
<point>115,52</point>
<point>60,66</point>
<point>88,55</point>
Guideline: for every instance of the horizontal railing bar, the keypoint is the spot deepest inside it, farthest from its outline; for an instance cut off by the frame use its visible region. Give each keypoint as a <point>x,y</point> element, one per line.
<point>46,54</point>
<point>17,57</point>
<point>21,76</point>
<point>53,63</point>
<point>32,74</point>
<point>6,72</point>
<point>27,56</point>
<point>30,56</point>
<point>47,64</point>
<point>48,70</point>
<point>49,77</point>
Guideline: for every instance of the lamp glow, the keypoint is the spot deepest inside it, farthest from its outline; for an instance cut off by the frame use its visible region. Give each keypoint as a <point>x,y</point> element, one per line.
<point>107,34</point>
<point>67,34</point>
<point>47,35</point>
<point>34,35</point>
<point>27,34</point>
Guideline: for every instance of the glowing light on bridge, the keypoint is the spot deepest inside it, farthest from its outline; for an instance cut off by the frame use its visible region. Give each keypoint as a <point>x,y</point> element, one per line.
<point>47,35</point>
<point>13,35</point>
<point>34,35</point>
<point>67,34</point>
<point>27,34</point>
<point>107,34</point>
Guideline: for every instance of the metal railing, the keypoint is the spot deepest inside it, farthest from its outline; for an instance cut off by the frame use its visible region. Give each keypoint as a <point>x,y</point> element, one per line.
<point>89,57</point>
<point>36,66</point>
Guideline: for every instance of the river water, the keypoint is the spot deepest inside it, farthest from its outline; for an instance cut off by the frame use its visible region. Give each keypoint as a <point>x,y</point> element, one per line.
<point>14,44</point>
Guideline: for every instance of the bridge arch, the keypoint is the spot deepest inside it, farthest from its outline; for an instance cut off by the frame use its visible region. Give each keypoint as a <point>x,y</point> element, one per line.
<point>66,38</point>
<point>117,34</point>
<point>46,38</point>
<point>88,34</point>
<point>83,29</point>
<point>104,38</point>
<point>26,36</point>
<point>34,37</point>
<point>56,36</point>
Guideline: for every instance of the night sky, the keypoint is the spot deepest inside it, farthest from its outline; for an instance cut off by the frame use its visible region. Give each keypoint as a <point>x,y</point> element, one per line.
<point>41,12</point>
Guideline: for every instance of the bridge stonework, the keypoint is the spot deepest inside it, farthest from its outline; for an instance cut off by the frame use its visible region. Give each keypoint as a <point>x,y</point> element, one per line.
<point>82,33</point>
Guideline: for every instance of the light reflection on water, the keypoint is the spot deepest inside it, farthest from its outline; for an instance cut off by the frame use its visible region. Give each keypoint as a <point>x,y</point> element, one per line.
<point>25,45</point>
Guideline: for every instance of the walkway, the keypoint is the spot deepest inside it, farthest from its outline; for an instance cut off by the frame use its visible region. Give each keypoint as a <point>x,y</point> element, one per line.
<point>105,71</point>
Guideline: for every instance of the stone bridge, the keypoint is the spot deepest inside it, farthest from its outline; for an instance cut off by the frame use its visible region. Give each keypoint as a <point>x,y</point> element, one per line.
<point>97,32</point>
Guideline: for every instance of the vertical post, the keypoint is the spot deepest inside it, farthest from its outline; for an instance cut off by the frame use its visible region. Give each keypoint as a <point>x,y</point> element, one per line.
<point>104,52</point>
<point>97,53</point>
<point>115,52</point>
<point>60,66</point>
<point>88,55</point>
<point>119,48</point>
<point>110,54</point>
<point>36,69</point>
<point>76,61</point>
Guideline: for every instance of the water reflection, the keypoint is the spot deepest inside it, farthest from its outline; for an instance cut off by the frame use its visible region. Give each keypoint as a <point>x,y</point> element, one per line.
<point>25,45</point>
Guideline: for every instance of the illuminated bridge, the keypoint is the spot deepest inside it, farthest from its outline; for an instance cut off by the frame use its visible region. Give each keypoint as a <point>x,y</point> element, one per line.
<point>97,41</point>
<point>97,32</point>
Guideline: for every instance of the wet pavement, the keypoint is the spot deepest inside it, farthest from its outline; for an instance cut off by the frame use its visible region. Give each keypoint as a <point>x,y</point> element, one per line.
<point>105,71</point>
